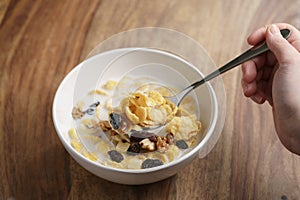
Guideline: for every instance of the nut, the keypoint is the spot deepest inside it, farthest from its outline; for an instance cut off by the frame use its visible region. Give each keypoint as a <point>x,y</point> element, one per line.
<point>104,125</point>
<point>162,144</point>
<point>77,113</point>
<point>147,144</point>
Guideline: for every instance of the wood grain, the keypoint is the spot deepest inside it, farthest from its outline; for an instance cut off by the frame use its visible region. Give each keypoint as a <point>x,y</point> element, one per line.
<point>41,41</point>
<point>3,7</point>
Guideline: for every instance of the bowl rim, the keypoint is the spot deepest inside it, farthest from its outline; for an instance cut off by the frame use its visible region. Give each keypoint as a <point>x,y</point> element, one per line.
<point>189,154</point>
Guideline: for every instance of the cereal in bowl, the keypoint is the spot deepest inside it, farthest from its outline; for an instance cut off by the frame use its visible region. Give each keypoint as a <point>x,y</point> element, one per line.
<point>121,136</point>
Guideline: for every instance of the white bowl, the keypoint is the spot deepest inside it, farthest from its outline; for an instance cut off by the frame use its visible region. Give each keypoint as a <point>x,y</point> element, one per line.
<point>86,76</point>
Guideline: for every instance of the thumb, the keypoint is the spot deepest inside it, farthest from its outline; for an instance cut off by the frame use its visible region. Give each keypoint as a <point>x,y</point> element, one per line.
<point>281,48</point>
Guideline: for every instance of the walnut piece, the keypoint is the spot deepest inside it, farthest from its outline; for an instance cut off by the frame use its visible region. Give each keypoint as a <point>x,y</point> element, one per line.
<point>162,144</point>
<point>104,125</point>
<point>147,144</point>
<point>77,113</point>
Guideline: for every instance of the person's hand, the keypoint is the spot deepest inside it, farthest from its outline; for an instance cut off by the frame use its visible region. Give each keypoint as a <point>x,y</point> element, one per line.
<point>275,77</point>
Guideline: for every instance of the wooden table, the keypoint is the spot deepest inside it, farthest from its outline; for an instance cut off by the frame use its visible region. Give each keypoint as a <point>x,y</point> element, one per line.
<point>41,41</point>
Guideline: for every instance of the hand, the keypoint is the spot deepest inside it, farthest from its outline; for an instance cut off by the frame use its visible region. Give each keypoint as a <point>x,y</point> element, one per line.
<point>275,77</point>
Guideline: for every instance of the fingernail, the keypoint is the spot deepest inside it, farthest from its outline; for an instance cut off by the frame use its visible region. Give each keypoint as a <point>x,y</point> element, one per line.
<point>274,29</point>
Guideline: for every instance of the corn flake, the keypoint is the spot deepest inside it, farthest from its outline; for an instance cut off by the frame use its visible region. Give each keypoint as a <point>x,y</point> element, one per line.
<point>99,92</point>
<point>110,85</point>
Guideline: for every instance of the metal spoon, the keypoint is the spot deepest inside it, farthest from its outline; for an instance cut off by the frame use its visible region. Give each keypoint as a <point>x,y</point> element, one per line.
<point>247,55</point>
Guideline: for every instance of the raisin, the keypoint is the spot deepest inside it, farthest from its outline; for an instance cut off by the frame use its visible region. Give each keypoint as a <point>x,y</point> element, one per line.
<point>115,120</point>
<point>95,104</point>
<point>134,148</point>
<point>149,163</point>
<point>181,144</point>
<point>115,156</point>
<point>92,108</point>
<point>90,111</point>
<point>137,136</point>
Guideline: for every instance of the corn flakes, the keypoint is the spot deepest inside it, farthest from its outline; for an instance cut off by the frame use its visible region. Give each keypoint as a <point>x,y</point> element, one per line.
<point>127,144</point>
<point>110,85</point>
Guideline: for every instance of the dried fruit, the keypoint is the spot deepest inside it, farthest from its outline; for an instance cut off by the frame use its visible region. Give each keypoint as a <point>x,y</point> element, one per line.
<point>115,156</point>
<point>90,111</point>
<point>181,144</point>
<point>94,105</point>
<point>137,136</point>
<point>149,163</point>
<point>134,148</point>
<point>115,120</point>
<point>92,108</point>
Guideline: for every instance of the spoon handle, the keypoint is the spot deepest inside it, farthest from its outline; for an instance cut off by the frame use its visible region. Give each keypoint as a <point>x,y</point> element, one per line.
<point>247,55</point>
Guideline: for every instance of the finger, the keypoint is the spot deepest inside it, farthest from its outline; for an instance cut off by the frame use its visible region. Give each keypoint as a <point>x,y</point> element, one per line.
<point>294,35</point>
<point>257,36</point>
<point>259,75</point>
<point>268,89</point>
<point>250,67</point>
<point>260,61</point>
<point>249,71</point>
<point>260,34</point>
<point>258,98</point>
<point>267,73</point>
<point>264,66</point>
<point>281,48</point>
<point>271,59</point>
<point>270,83</point>
<point>261,94</point>
<point>249,89</point>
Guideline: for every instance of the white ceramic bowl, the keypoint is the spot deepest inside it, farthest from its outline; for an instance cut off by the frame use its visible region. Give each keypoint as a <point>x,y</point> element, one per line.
<point>86,75</point>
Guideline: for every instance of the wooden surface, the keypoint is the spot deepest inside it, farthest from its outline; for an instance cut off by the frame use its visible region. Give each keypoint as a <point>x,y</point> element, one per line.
<point>41,41</point>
